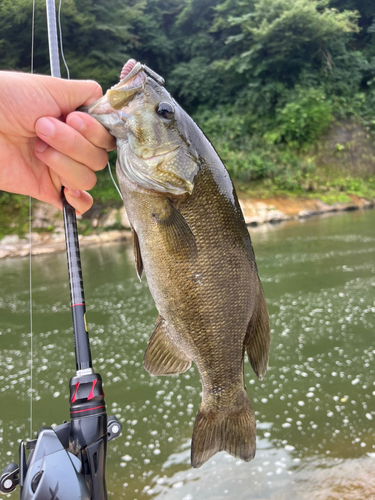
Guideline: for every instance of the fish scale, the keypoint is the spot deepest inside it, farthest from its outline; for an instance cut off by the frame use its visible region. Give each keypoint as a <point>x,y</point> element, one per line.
<point>190,238</point>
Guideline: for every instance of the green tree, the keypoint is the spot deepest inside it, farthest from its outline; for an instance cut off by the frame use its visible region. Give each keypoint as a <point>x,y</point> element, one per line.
<point>263,78</point>
<point>97,37</point>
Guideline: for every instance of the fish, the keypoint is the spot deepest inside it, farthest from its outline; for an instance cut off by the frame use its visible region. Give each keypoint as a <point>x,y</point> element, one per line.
<point>191,241</point>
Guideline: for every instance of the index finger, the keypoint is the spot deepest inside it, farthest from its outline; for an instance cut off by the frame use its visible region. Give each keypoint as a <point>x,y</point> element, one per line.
<point>91,129</point>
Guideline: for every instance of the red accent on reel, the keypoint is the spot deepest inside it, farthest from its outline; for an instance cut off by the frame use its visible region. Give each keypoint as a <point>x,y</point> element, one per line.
<point>75,393</point>
<point>88,409</point>
<point>91,395</point>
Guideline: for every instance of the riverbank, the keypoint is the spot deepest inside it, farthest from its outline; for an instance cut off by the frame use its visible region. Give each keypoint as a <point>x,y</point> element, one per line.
<point>101,225</point>
<point>277,209</point>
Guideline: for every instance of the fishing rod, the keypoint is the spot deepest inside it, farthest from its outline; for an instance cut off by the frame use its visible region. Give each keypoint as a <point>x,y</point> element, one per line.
<point>68,462</point>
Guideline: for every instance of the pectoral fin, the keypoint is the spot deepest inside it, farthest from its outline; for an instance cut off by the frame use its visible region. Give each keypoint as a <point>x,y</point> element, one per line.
<point>137,254</point>
<point>177,235</point>
<point>163,356</point>
<point>258,339</point>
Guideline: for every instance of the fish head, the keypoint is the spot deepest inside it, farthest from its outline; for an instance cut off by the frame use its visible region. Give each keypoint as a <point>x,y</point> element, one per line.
<point>153,145</point>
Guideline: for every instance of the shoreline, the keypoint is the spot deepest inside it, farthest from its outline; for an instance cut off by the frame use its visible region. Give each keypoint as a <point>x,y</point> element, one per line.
<point>45,243</point>
<point>256,212</point>
<point>277,209</point>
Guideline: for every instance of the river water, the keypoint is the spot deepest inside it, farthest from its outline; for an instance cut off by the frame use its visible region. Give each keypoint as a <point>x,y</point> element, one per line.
<point>315,409</point>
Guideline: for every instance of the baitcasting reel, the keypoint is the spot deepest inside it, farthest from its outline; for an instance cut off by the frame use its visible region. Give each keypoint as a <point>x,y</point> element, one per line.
<point>67,462</point>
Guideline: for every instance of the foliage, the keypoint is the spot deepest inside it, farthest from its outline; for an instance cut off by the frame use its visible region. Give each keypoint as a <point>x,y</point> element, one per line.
<point>263,78</point>
<point>302,119</point>
<point>97,36</point>
<point>14,210</point>
<point>280,37</point>
<point>104,190</point>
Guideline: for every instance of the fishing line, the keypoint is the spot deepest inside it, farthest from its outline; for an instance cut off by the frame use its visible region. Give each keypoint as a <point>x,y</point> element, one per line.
<point>32,39</point>
<point>30,250</point>
<point>31,327</point>
<point>113,180</point>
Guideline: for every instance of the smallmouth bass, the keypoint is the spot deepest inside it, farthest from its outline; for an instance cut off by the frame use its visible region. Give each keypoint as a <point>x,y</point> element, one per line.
<point>191,240</point>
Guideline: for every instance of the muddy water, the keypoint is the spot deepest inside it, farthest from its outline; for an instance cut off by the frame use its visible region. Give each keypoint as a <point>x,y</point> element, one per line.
<point>315,409</point>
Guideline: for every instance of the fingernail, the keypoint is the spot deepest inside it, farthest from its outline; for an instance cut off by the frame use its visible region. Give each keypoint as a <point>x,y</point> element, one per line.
<point>40,146</point>
<point>45,127</point>
<point>76,122</point>
<point>73,192</point>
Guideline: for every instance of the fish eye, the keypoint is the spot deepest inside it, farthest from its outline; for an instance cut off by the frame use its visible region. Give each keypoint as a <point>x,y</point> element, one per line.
<point>165,110</point>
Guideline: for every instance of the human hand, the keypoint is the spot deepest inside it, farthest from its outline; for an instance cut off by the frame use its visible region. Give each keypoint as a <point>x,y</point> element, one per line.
<point>45,144</point>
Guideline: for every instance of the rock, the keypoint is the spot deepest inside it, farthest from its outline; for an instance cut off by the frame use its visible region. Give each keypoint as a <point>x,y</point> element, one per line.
<point>258,212</point>
<point>34,237</point>
<point>114,236</point>
<point>350,207</point>
<point>45,215</point>
<point>39,224</point>
<point>88,240</point>
<point>305,214</point>
<point>347,148</point>
<point>42,249</point>
<point>57,237</point>
<point>324,208</point>
<point>12,239</point>
<point>21,252</point>
<point>111,218</point>
<point>4,253</point>
<point>45,237</point>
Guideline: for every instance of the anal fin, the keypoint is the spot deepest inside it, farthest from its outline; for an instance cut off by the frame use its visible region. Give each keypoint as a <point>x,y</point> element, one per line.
<point>163,356</point>
<point>258,339</point>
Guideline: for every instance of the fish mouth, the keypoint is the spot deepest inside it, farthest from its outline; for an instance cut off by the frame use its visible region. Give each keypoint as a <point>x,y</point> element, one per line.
<point>157,169</point>
<point>130,69</point>
<point>108,109</point>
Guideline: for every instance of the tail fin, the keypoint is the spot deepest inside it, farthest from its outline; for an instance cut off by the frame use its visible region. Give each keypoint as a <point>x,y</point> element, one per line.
<point>233,432</point>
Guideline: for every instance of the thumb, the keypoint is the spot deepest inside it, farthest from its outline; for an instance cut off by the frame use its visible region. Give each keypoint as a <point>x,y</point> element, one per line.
<point>70,94</point>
